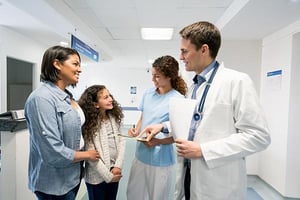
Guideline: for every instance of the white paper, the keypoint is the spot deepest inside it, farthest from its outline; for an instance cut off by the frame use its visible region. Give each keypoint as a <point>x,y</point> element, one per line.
<point>181,112</point>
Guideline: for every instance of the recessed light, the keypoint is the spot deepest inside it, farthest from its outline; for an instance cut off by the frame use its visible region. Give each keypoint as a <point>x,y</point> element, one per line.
<point>64,44</point>
<point>157,33</point>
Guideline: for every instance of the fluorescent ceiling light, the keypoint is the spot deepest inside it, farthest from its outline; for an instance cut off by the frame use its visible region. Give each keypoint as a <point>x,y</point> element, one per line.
<point>157,33</point>
<point>151,61</point>
<point>64,44</point>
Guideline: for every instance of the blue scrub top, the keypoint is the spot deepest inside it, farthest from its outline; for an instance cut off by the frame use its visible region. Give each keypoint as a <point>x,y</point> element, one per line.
<point>155,110</point>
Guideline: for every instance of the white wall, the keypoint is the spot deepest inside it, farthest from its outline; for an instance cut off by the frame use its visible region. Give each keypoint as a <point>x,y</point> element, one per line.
<point>17,46</point>
<point>244,56</point>
<point>281,52</point>
<point>118,81</point>
<point>293,159</point>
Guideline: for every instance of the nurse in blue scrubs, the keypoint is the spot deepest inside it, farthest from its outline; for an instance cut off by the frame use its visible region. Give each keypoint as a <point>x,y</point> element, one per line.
<point>151,171</point>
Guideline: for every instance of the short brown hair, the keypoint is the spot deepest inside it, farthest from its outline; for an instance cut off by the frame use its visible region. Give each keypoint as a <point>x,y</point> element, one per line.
<point>203,32</point>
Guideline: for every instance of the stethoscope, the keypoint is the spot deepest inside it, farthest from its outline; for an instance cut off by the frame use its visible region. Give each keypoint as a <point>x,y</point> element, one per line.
<point>198,115</point>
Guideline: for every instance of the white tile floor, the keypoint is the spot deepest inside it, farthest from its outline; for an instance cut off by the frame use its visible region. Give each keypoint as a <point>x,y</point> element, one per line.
<point>264,189</point>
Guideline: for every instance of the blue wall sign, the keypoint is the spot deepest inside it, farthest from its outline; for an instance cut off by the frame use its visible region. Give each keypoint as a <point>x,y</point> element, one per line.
<point>84,49</point>
<point>274,73</point>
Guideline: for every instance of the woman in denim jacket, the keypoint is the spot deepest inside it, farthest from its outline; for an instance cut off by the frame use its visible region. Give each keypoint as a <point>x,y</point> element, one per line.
<point>54,120</point>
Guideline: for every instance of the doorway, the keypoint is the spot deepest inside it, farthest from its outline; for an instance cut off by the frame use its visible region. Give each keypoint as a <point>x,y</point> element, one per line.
<point>19,82</point>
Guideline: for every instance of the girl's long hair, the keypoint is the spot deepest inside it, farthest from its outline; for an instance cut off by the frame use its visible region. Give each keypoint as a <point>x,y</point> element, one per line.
<point>93,116</point>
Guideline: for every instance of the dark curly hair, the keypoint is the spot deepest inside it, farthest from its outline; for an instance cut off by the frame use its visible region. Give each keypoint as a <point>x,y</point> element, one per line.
<point>93,116</point>
<point>169,67</point>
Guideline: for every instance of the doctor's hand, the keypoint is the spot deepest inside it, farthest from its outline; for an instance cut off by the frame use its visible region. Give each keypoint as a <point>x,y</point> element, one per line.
<point>152,130</point>
<point>188,149</point>
<point>151,143</point>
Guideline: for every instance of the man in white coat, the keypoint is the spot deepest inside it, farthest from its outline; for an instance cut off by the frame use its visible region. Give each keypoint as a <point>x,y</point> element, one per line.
<point>227,125</point>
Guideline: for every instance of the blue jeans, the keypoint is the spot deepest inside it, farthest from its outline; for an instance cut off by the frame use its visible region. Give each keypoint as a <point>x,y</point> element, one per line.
<point>105,191</point>
<point>71,195</point>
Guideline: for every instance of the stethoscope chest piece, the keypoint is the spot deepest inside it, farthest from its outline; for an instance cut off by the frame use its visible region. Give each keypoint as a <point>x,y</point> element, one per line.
<point>197,116</point>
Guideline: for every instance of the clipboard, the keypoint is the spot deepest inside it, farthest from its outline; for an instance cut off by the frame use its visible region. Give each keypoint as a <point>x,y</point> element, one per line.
<point>141,137</point>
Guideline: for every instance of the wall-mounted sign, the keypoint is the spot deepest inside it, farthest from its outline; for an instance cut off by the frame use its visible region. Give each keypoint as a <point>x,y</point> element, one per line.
<point>274,73</point>
<point>274,79</point>
<point>133,90</point>
<point>84,49</point>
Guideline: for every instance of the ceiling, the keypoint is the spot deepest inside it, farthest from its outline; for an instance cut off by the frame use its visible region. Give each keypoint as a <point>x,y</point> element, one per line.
<point>113,27</point>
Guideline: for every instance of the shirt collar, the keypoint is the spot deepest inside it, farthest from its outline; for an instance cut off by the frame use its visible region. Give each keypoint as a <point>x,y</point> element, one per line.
<point>197,78</point>
<point>63,95</point>
<point>208,68</point>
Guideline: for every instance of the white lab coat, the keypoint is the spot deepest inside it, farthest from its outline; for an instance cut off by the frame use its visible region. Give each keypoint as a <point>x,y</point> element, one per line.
<point>233,126</point>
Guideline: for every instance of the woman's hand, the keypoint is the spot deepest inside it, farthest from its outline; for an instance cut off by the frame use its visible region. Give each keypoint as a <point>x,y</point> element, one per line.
<point>93,155</point>
<point>116,178</point>
<point>132,132</point>
<point>116,171</point>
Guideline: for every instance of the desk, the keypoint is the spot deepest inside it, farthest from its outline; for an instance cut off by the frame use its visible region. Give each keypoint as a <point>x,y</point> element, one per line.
<point>14,161</point>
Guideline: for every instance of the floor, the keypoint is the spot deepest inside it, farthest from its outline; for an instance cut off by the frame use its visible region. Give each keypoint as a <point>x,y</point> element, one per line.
<point>257,190</point>
<point>264,190</point>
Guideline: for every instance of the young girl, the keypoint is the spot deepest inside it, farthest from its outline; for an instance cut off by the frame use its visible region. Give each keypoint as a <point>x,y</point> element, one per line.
<point>100,131</point>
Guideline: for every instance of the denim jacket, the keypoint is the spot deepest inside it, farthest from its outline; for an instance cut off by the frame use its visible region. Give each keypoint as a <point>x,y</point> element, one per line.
<point>55,132</point>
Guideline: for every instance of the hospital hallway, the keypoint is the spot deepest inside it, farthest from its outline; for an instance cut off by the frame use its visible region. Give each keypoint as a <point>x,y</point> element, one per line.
<point>252,106</point>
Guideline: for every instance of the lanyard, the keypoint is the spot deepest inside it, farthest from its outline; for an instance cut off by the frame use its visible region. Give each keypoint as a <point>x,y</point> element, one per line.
<point>198,115</point>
